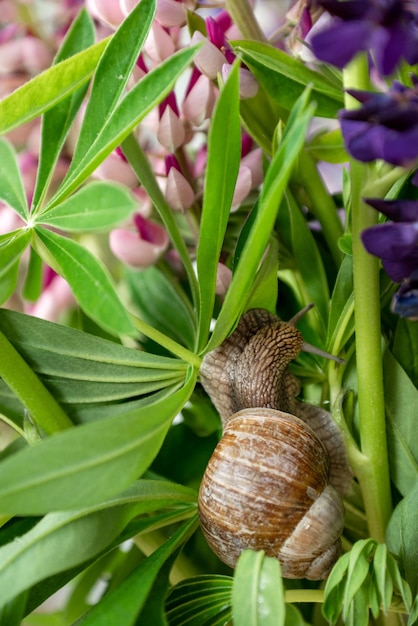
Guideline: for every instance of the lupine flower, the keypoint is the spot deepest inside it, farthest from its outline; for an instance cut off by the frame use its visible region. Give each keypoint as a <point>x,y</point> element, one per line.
<point>395,242</point>
<point>385,127</point>
<point>142,248</point>
<point>386,27</point>
<point>170,133</point>
<point>178,192</point>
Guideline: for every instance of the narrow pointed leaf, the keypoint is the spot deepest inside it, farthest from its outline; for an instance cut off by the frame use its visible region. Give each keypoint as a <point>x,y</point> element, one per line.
<point>10,253</point>
<point>12,191</point>
<point>89,280</point>
<point>57,121</point>
<point>86,464</point>
<point>51,86</point>
<point>221,175</point>
<point>96,206</point>
<point>137,103</point>
<point>113,71</point>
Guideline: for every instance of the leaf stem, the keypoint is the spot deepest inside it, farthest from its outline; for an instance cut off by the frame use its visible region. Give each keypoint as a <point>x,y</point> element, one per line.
<point>373,474</point>
<point>171,345</point>
<point>243,16</point>
<point>24,383</point>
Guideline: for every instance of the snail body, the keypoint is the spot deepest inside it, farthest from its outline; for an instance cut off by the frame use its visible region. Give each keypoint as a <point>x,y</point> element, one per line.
<point>276,477</point>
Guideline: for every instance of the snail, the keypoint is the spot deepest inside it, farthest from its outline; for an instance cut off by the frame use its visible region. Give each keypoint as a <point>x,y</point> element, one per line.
<point>276,478</point>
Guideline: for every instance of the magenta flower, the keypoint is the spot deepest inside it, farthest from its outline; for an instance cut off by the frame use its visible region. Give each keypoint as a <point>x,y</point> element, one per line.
<point>386,27</point>
<point>385,127</point>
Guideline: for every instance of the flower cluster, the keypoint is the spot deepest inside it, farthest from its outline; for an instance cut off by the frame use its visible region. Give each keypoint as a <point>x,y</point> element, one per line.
<point>385,124</point>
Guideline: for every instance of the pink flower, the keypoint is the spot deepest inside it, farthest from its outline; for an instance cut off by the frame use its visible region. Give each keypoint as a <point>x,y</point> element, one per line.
<point>159,44</point>
<point>108,12</point>
<point>178,192</point>
<point>223,279</point>
<point>139,249</point>
<point>55,300</point>
<point>199,101</point>
<point>171,133</point>
<point>117,169</point>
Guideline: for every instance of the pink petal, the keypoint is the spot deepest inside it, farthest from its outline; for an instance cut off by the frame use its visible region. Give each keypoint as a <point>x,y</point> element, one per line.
<point>106,11</point>
<point>223,279</point>
<point>171,133</point>
<point>115,168</point>
<point>170,13</point>
<point>243,186</point>
<point>54,300</point>
<point>248,86</point>
<point>199,102</point>
<point>130,248</point>
<point>159,45</point>
<point>254,161</point>
<point>178,193</point>
<point>209,59</point>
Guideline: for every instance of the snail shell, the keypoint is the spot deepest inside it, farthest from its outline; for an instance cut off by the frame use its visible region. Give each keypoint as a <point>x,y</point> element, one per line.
<point>275,479</point>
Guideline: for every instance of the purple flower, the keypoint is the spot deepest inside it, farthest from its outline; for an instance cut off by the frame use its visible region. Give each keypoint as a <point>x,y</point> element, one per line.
<point>396,243</point>
<point>385,126</point>
<point>386,27</point>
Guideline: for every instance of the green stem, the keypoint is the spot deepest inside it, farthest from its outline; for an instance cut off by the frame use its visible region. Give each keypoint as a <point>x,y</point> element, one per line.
<point>243,16</point>
<point>24,383</point>
<point>322,204</point>
<point>373,474</point>
<point>171,345</point>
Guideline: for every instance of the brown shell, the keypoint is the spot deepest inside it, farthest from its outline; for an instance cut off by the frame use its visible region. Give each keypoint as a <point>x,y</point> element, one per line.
<point>265,474</point>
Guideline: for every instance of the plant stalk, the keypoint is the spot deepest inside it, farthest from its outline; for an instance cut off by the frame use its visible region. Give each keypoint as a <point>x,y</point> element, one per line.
<point>24,383</point>
<point>373,475</point>
<point>243,16</point>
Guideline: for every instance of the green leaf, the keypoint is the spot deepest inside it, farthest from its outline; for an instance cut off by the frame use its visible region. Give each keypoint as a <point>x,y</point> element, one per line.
<point>405,347</point>
<point>334,589</point>
<point>257,593</point>
<point>53,545</point>
<point>273,189</point>
<point>220,180</point>
<point>341,316</point>
<point>285,78</point>
<point>137,103</point>
<point>11,249</point>
<point>57,122</point>
<point>112,75</point>
<point>123,605</point>
<point>96,206</point>
<point>48,88</point>
<point>199,601</point>
<point>88,278</point>
<point>402,537</point>
<point>162,304</point>
<point>12,191</point>
<point>401,397</point>
<point>328,146</point>
<point>86,464</point>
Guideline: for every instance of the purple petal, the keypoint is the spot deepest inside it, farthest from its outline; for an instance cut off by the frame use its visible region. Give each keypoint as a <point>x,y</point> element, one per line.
<point>399,270</point>
<point>405,301</point>
<point>396,210</point>
<point>339,43</point>
<point>391,242</point>
<point>349,10</point>
<point>363,141</point>
<point>389,46</point>
<point>400,148</point>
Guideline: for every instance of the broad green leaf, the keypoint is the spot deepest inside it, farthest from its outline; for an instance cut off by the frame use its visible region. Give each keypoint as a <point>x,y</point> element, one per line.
<point>285,78</point>
<point>257,593</point>
<point>112,74</point>
<point>273,189</point>
<point>200,600</point>
<point>402,537</point>
<point>224,154</point>
<point>12,191</point>
<point>162,304</point>
<point>53,545</point>
<point>328,146</point>
<point>137,103</point>
<point>48,88</point>
<point>123,605</point>
<point>88,278</point>
<point>57,121</point>
<point>11,249</point>
<point>86,464</point>
<point>96,206</point>
<point>401,397</point>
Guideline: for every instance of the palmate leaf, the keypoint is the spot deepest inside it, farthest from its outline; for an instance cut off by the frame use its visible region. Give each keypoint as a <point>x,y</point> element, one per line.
<point>57,121</point>
<point>97,377</point>
<point>88,278</point>
<point>48,88</point>
<point>12,247</point>
<point>96,206</point>
<point>86,464</point>
<point>53,545</point>
<point>200,601</point>
<point>12,191</point>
